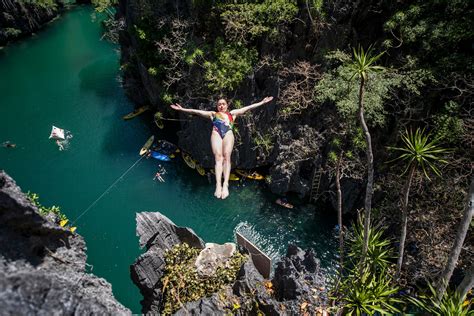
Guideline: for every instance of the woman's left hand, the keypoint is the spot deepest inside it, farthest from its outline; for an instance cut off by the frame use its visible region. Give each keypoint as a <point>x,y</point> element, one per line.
<point>267,99</point>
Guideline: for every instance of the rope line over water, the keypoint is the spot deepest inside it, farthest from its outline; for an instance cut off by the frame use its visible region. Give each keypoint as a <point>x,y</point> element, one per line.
<point>107,190</point>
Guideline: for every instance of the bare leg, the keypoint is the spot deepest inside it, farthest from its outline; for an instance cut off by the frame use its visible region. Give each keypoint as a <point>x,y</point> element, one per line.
<point>227,146</point>
<point>216,144</point>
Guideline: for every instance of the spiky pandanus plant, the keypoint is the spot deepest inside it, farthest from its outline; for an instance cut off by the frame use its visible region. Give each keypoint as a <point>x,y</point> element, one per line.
<point>418,152</point>
<point>362,66</point>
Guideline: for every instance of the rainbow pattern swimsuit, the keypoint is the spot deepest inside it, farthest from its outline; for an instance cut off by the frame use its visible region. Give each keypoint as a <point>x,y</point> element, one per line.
<point>223,122</point>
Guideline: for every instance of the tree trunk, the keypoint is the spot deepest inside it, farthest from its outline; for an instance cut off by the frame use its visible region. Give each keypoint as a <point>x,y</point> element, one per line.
<point>467,283</point>
<point>458,242</point>
<point>370,169</point>
<point>339,210</point>
<point>403,231</point>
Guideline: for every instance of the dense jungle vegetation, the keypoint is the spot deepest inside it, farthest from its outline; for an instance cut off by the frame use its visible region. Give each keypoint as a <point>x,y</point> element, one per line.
<point>387,88</point>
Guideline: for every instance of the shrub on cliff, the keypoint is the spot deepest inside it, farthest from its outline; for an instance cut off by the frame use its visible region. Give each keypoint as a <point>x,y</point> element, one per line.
<point>182,283</point>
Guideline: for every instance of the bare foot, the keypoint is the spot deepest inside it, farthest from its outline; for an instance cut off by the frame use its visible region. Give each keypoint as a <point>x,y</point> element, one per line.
<point>218,192</point>
<point>225,191</point>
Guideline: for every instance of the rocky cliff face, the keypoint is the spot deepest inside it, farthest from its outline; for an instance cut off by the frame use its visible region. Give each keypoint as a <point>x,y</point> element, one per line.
<point>297,286</point>
<point>20,18</point>
<point>43,266</point>
<point>292,144</point>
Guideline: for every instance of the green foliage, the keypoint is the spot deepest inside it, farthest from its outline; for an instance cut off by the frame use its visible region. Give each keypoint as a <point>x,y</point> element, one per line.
<point>182,283</point>
<point>451,304</point>
<point>232,64</point>
<point>264,142</point>
<point>369,289</point>
<point>167,98</point>
<point>337,87</point>
<point>237,104</point>
<point>104,5</point>
<point>447,125</point>
<point>436,31</point>
<point>11,32</point>
<point>379,252</point>
<point>140,33</point>
<point>43,210</point>
<point>47,4</point>
<point>248,20</point>
<point>191,58</point>
<point>367,293</point>
<point>420,151</point>
<point>332,157</point>
<point>152,71</point>
<point>363,63</point>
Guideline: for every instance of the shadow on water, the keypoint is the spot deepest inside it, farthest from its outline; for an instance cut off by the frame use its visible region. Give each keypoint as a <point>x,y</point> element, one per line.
<point>100,71</point>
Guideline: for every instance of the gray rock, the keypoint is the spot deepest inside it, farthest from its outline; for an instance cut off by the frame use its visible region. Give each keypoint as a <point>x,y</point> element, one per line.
<point>298,275</point>
<point>206,306</point>
<point>212,256</point>
<point>42,265</point>
<point>158,234</point>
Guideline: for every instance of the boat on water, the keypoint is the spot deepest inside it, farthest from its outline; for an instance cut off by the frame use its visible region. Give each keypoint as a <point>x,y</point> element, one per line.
<point>283,202</point>
<point>166,147</point>
<point>188,160</point>
<point>137,112</point>
<point>200,170</point>
<point>159,156</point>
<point>147,145</point>
<point>248,174</point>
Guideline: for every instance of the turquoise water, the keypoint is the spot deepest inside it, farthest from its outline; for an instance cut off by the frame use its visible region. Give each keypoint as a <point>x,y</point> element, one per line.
<point>66,76</point>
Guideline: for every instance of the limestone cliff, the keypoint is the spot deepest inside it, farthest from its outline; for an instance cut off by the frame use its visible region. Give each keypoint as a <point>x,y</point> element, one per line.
<point>43,266</point>
<point>20,18</point>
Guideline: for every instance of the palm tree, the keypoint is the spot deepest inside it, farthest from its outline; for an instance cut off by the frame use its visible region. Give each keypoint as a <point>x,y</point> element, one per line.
<point>418,152</point>
<point>362,66</point>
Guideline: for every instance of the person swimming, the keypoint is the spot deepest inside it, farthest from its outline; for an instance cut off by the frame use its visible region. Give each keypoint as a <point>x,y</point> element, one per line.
<point>222,142</point>
<point>8,144</point>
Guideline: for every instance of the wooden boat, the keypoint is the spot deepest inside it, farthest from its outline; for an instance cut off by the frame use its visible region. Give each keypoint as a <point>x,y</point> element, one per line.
<point>232,176</point>
<point>284,203</point>
<point>188,160</point>
<point>200,170</point>
<point>137,112</point>
<point>147,145</point>
<point>250,175</point>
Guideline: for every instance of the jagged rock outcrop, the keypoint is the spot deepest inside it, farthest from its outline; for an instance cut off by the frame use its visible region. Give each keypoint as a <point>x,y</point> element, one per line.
<point>297,279</point>
<point>212,256</point>
<point>43,266</point>
<point>158,234</point>
<point>20,18</point>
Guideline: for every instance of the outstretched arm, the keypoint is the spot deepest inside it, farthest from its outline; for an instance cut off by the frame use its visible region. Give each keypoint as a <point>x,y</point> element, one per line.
<point>243,110</point>
<point>206,114</point>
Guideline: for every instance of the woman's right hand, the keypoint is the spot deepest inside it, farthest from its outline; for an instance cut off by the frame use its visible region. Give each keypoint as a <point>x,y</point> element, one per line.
<point>176,107</point>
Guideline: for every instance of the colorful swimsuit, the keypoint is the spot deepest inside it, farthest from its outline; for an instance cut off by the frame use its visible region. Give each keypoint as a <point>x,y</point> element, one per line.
<point>223,122</point>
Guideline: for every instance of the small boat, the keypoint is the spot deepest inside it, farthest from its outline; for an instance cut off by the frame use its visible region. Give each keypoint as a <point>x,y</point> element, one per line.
<point>284,203</point>
<point>250,175</point>
<point>200,170</point>
<point>159,156</point>
<point>165,147</point>
<point>232,176</point>
<point>147,145</point>
<point>137,112</point>
<point>188,160</point>
<point>158,118</point>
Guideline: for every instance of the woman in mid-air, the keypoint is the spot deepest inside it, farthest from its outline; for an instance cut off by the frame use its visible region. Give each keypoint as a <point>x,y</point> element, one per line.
<point>222,138</point>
